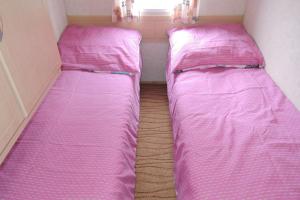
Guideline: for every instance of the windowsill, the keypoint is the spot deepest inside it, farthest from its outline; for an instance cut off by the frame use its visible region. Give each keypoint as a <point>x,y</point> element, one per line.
<point>155,12</point>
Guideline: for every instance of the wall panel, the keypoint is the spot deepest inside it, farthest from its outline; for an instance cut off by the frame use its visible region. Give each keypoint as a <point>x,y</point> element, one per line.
<point>57,13</point>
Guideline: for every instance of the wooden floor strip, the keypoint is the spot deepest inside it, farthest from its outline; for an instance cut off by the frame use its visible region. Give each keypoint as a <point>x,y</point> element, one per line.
<point>154,166</point>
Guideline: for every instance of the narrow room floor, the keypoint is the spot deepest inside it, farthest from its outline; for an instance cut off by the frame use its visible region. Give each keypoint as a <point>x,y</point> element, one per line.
<point>154,166</point>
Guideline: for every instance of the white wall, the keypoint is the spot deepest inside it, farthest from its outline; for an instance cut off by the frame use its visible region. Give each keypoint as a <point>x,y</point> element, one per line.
<point>57,12</point>
<point>275,25</point>
<point>89,7</point>
<point>222,7</point>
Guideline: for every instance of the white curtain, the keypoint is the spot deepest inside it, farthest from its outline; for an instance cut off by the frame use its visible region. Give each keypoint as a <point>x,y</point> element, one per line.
<point>186,11</point>
<point>125,10</point>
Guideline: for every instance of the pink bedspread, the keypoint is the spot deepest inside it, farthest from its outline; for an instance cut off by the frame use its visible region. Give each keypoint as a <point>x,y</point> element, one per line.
<point>236,136</point>
<point>81,143</point>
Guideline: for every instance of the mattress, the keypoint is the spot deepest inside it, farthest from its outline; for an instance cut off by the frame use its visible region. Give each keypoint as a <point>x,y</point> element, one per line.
<point>80,144</point>
<point>236,136</point>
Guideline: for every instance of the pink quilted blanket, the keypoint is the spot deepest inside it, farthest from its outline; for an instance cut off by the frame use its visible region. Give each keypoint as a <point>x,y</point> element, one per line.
<point>81,143</point>
<point>236,136</point>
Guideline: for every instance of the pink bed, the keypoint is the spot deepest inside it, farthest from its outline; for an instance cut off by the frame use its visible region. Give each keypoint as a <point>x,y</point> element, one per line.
<point>81,143</point>
<point>236,135</point>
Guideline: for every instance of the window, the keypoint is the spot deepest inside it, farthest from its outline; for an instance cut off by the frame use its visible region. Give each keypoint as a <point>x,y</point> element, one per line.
<point>155,7</point>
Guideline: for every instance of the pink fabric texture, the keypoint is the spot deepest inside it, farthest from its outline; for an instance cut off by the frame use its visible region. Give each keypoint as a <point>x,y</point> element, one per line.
<point>81,143</point>
<point>236,136</point>
<point>100,49</point>
<point>209,46</point>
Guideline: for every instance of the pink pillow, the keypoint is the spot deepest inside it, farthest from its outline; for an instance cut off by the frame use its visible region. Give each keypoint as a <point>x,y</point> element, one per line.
<point>100,49</point>
<point>213,46</point>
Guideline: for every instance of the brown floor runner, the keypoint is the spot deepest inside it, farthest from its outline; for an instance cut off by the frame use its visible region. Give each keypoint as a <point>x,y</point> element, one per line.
<point>154,166</point>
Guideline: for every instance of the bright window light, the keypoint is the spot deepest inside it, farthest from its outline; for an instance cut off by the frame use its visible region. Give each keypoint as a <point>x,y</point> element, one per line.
<point>166,5</point>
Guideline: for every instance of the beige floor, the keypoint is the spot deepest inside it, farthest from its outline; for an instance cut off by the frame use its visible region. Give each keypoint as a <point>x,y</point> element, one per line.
<point>154,166</point>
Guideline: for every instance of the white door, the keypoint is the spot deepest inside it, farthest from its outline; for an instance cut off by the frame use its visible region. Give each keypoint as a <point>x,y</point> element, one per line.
<point>30,51</point>
<point>11,115</point>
